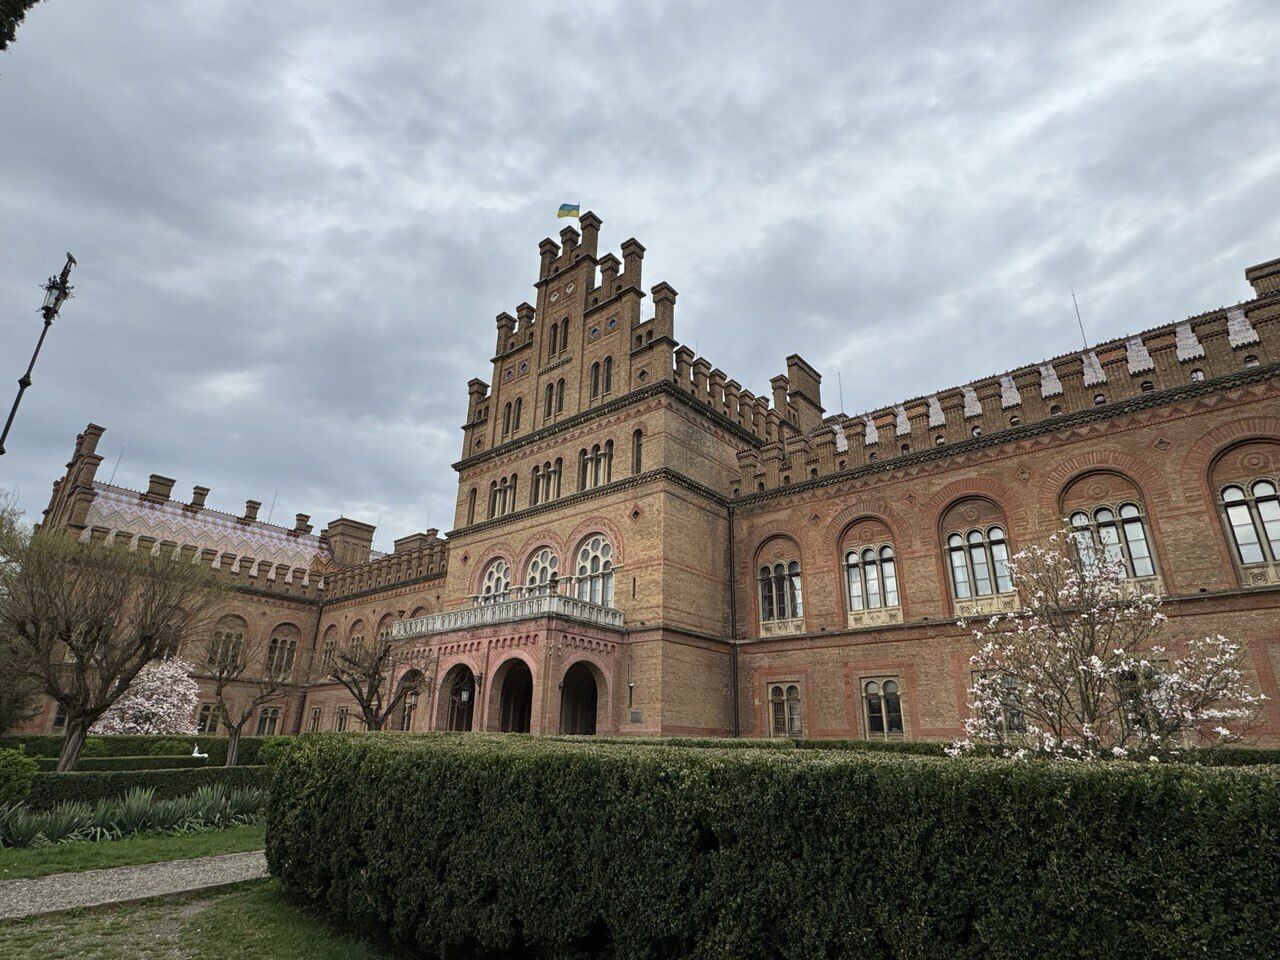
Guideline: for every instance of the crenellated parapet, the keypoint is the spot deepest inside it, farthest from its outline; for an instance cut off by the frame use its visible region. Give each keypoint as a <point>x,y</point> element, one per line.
<point>1214,344</point>
<point>416,557</point>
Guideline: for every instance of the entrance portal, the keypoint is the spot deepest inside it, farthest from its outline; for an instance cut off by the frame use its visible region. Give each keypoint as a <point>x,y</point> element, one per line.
<point>460,687</point>
<point>517,696</point>
<point>578,696</point>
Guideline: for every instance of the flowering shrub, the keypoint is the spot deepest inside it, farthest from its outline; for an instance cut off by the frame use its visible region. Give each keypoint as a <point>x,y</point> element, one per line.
<point>161,699</point>
<point>1078,673</point>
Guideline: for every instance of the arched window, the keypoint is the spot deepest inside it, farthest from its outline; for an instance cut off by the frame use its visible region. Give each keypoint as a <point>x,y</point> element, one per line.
<point>594,571</point>
<point>471,507</point>
<point>355,641</point>
<point>329,649</point>
<point>595,380</point>
<point>313,722</point>
<point>979,562</point>
<point>1117,534</point>
<point>268,718</point>
<point>608,374</point>
<point>871,576</point>
<point>784,707</point>
<point>549,402</point>
<point>340,719</point>
<point>535,486</point>
<point>637,452</point>
<point>543,573</point>
<point>554,346</point>
<point>560,390</point>
<point>1253,514</point>
<point>1197,375</point>
<point>882,709</point>
<point>515,417</point>
<point>582,469</point>
<point>493,499</point>
<point>280,653</point>
<point>557,469</point>
<point>496,584</point>
<point>226,648</point>
<point>506,419</point>
<point>781,592</point>
<point>564,336</point>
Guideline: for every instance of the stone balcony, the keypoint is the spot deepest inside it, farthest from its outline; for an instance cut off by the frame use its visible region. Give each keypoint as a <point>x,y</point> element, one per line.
<point>507,611</point>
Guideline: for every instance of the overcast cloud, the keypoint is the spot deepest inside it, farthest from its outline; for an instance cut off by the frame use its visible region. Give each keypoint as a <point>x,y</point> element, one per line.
<point>296,221</point>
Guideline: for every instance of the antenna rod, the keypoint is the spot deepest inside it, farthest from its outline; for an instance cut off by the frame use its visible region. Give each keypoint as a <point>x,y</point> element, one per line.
<point>1083,338</point>
<point>272,508</point>
<point>117,466</point>
<point>840,387</point>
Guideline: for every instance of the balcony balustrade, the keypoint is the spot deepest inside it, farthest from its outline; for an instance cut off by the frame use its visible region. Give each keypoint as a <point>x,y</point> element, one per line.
<point>484,612</point>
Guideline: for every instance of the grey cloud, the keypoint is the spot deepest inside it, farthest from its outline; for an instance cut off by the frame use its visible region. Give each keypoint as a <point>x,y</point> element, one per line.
<point>296,222</point>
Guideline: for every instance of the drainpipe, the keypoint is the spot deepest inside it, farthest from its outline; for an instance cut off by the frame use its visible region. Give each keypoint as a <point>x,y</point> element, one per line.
<point>733,629</point>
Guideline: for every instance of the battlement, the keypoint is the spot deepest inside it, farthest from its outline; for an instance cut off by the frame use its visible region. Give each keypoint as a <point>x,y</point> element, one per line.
<point>1213,344</point>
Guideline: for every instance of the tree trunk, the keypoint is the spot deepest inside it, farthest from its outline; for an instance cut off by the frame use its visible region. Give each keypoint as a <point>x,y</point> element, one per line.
<point>233,745</point>
<point>72,744</point>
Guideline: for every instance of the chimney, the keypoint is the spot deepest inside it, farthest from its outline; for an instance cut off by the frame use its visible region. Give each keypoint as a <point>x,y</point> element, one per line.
<point>159,488</point>
<point>302,523</point>
<point>87,442</point>
<point>568,241</point>
<point>632,256</point>
<point>524,314</point>
<point>198,495</point>
<point>506,323</point>
<point>664,310</point>
<point>590,224</point>
<point>251,508</point>
<point>609,267</point>
<point>549,251</point>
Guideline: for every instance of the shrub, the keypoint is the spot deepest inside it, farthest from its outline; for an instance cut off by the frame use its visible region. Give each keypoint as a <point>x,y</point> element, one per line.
<point>139,745</point>
<point>128,763</point>
<point>90,786</point>
<point>16,772</point>
<point>477,846</point>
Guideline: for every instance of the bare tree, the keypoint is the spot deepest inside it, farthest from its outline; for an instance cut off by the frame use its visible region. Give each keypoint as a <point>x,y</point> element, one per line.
<point>366,670</point>
<point>18,692</point>
<point>244,680</point>
<point>1079,671</point>
<point>83,619</point>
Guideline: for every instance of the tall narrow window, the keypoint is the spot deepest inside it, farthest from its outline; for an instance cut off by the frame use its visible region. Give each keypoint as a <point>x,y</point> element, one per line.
<point>882,709</point>
<point>555,340</point>
<point>340,719</point>
<point>543,573</point>
<point>608,461</point>
<point>506,419</point>
<point>549,402</point>
<point>582,470</point>
<point>784,706</point>
<point>781,592</point>
<point>608,374</point>
<point>268,718</point>
<point>594,571</point>
<point>564,336</point>
<point>515,418</point>
<point>1253,514</point>
<point>313,724</point>
<point>493,499</point>
<point>595,380</point>
<point>871,576</point>
<point>637,452</point>
<point>559,469</point>
<point>1117,535</point>
<point>560,395</point>
<point>979,563</point>
<point>471,507</point>
<point>535,486</point>
<point>595,465</point>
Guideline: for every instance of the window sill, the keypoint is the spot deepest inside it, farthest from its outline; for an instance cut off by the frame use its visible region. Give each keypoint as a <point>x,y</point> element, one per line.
<point>1260,575</point>
<point>781,628</point>
<point>876,617</point>
<point>988,606</point>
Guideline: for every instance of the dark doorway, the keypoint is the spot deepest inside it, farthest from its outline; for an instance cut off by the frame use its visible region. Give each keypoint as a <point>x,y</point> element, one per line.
<point>460,686</point>
<point>578,697</point>
<point>517,697</point>
<point>402,717</point>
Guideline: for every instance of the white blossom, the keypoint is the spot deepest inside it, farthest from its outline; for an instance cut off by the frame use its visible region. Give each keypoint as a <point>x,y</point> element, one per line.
<point>161,699</point>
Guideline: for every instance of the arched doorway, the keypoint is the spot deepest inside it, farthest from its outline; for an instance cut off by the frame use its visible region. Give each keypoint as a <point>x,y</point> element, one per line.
<point>578,698</point>
<point>459,690</point>
<point>516,704</point>
<point>402,717</point>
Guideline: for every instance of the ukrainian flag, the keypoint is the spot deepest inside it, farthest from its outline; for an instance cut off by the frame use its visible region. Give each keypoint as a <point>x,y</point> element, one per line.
<point>567,210</point>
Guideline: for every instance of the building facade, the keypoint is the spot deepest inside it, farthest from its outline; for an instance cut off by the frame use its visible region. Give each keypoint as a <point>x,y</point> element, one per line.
<point>643,546</point>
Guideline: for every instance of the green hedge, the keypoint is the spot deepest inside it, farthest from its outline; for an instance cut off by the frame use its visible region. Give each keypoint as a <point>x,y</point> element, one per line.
<point>480,847</point>
<point>140,745</point>
<point>48,789</point>
<point>16,773</point>
<point>130,763</point>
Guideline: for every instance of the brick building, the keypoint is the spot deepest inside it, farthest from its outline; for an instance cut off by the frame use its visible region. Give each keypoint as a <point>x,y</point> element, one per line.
<point>643,546</point>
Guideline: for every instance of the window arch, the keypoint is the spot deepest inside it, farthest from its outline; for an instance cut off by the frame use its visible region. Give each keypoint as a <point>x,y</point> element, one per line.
<point>226,646</point>
<point>1253,516</point>
<point>355,640</point>
<point>871,578</point>
<point>329,649</point>
<point>784,709</point>
<point>281,650</point>
<point>781,591</point>
<point>1116,534</point>
<point>593,570</point>
<point>495,586</point>
<point>543,573</point>
<point>979,562</point>
<point>882,708</point>
<point>268,719</point>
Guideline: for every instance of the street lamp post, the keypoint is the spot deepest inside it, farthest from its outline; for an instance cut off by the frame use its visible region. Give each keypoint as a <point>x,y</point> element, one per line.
<point>56,291</point>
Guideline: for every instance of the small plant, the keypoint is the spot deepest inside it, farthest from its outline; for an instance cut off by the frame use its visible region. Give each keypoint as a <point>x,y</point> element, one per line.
<point>16,773</point>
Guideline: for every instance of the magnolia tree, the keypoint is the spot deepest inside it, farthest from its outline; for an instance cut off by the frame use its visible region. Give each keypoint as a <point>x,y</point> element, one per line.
<point>161,699</point>
<point>1078,672</point>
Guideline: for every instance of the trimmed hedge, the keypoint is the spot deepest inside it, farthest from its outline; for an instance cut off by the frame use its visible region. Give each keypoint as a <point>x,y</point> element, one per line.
<point>142,745</point>
<point>16,773</point>
<point>479,846</point>
<point>129,763</point>
<point>90,786</point>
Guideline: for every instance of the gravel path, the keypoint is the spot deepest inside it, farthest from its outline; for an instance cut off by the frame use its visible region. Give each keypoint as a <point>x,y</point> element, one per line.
<point>91,888</point>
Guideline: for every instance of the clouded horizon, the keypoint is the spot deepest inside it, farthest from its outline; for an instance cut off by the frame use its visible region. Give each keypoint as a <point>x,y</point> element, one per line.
<point>296,221</point>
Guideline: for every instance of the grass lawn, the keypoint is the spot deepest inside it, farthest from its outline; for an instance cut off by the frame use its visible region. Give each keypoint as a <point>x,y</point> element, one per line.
<point>247,920</point>
<point>61,857</point>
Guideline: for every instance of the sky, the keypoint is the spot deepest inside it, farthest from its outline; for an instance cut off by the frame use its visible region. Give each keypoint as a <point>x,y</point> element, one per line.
<point>296,222</point>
